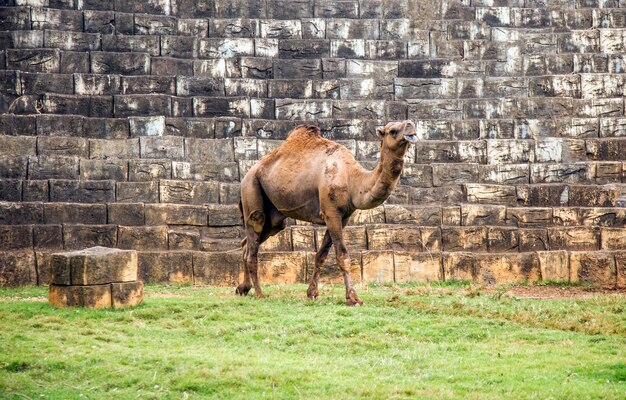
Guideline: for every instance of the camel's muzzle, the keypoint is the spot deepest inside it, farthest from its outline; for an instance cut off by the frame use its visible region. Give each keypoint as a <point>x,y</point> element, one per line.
<point>411,138</point>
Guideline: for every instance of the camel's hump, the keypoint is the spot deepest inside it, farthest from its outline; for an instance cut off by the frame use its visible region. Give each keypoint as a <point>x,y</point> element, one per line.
<point>309,129</point>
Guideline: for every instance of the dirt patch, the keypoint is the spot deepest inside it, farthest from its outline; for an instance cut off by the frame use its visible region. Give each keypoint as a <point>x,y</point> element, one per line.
<point>37,298</point>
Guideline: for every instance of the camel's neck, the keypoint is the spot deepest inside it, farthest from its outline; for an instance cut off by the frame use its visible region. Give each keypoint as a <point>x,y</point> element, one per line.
<point>373,187</point>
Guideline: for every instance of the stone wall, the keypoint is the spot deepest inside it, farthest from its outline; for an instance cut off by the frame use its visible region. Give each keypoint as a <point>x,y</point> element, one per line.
<point>130,123</point>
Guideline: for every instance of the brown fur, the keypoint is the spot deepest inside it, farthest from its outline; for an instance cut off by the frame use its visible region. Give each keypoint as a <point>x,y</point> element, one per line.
<point>313,179</point>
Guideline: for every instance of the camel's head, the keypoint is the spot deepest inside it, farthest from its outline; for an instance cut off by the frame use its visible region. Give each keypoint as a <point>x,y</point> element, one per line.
<point>398,135</point>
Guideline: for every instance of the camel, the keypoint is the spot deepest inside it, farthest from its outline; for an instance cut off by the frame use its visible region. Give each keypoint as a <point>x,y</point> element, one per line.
<point>314,179</point>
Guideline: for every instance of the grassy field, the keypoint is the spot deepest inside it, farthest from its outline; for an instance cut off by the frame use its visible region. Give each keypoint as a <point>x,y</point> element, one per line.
<point>442,341</point>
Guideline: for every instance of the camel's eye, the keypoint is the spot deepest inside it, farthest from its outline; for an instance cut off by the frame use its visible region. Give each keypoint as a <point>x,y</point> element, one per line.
<point>394,132</point>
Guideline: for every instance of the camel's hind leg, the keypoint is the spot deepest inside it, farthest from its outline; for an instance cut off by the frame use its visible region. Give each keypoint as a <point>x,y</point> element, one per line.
<point>261,220</point>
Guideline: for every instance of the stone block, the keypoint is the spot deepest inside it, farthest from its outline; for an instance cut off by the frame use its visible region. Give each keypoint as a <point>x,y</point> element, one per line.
<point>126,294</point>
<point>282,267</point>
<point>73,62</point>
<point>541,195</point>
<point>393,237</point>
<point>298,68</point>
<point>529,217</point>
<point>237,27</point>
<point>491,194</point>
<point>554,173</point>
<point>94,266</point>
<point>224,215</point>
<point>132,192</point>
<point>593,196</point>
<point>47,237</point>
<point>482,214</point>
<point>16,237</point>
<point>175,214</point>
<point>53,167</point>
<point>184,239</point>
<point>91,296</point>
<point>74,213</point>
<point>142,105</point>
<point>330,272</point>
<point>148,85</point>
<point>420,215</point>
<point>34,60</point>
<point>187,192</point>
<point>171,66</point>
<point>106,149</point>
<point>464,238</point>
<point>417,267</point>
<point>533,240</point>
<point>217,150</point>
<point>199,86</point>
<point>229,193</point>
<point>445,174</point>
<point>554,266</point>
<point>281,241</point>
<point>10,190</point>
<point>597,268</point>
<point>82,191</point>
<point>39,83</point>
<point>21,213</point>
<point>164,147</point>
<point>303,238</point>
<point>374,215</point>
<point>166,267</point>
<point>75,41</point>
<point>63,146</point>
<point>77,237</point>
<point>610,217</point>
<point>17,268</point>
<point>217,269</point>
<point>99,21</point>
<point>502,239</point>
<point>142,237</point>
<point>120,63</point>
<point>128,214</point>
<point>221,106</point>
<point>105,128</point>
<point>59,125</point>
<point>17,145</point>
<point>36,190</point>
<point>574,238</point>
<point>116,170</point>
<point>378,266</point>
<point>148,170</point>
<point>613,238</point>
<point>15,18</point>
<point>508,267</point>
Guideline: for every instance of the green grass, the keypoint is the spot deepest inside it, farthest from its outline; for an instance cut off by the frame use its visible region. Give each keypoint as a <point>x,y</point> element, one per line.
<point>410,341</point>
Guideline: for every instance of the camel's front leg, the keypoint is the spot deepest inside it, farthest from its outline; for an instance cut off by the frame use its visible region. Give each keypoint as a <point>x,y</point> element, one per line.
<point>335,227</point>
<point>320,257</point>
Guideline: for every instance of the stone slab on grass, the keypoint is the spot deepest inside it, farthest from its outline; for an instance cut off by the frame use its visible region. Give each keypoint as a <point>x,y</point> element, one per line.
<point>93,266</point>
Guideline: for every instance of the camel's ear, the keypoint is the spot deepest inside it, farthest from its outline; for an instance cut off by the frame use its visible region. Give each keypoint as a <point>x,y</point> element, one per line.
<point>380,132</point>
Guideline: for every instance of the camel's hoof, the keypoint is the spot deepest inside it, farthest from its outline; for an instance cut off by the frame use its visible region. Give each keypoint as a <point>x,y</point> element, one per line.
<point>242,290</point>
<point>352,299</point>
<point>260,296</point>
<point>354,302</point>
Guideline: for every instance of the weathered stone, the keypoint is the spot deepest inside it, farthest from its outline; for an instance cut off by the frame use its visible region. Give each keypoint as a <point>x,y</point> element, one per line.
<point>477,214</point>
<point>94,266</point>
<point>510,267</point>
<point>464,238</point>
<point>354,237</point>
<point>90,296</point>
<point>501,239</point>
<point>188,192</point>
<point>491,194</point>
<point>378,266</point>
<point>15,237</point>
<point>303,238</point>
<point>529,217</point>
<point>216,269</point>
<point>132,192</point>
<point>412,267</point>
<point>533,240</point>
<point>393,237</point>
<point>282,267</point>
<point>163,267</point>
<point>82,236</point>
<point>142,237</point>
<point>374,215</point>
<point>224,215</point>
<point>593,267</point>
<point>554,266</point>
<point>82,191</point>
<point>74,213</point>
<point>330,272</point>
<point>125,213</point>
<point>574,238</point>
<point>613,238</point>
<point>126,294</point>
<point>174,214</point>
<point>183,239</point>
